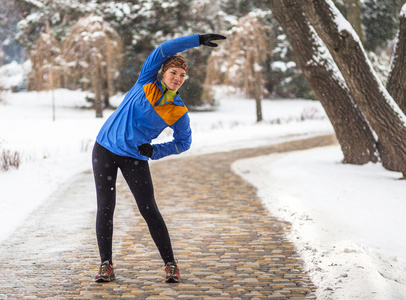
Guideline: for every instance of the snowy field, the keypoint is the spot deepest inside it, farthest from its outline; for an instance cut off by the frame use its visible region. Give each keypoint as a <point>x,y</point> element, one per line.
<point>347,221</point>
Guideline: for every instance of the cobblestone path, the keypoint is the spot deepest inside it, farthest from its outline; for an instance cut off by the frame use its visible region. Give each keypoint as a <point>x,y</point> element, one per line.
<point>227,243</point>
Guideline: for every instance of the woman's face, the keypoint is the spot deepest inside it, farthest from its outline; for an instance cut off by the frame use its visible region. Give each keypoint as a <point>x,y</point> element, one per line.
<point>174,78</point>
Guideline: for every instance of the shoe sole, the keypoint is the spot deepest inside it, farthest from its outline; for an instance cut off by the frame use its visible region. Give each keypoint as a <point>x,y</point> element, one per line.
<point>172,280</point>
<point>105,279</point>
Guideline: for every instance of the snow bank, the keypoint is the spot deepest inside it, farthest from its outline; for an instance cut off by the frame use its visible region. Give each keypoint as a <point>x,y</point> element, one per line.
<point>347,221</point>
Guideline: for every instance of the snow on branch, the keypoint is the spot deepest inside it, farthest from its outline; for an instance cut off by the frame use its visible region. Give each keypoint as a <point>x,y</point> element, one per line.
<point>403,11</point>
<point>342,24</point>
<point>36,3</point>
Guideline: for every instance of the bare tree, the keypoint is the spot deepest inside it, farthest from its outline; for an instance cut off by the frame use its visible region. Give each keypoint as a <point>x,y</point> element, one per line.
<point>352,130</point>
<point>92,53</point>
<point>247,47</point>
<point>367,91</point>
<point>46,64</point>
<point>213,74</point>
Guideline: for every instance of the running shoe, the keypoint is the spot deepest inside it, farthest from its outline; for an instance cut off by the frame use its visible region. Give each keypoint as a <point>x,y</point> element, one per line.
<point>106,272</point>
<point>172,273</point>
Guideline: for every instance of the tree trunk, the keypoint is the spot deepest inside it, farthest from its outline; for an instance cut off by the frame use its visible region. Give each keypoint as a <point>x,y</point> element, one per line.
<point>381,111</point>
<point>98,92</point>
<point>396,84</point>
<point>352,130</point>
<point>258,96</point>
<point>259,109</point>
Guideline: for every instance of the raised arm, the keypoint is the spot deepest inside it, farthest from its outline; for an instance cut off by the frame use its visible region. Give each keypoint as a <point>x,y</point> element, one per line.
<point>167,49</point>
<point>160,54</point>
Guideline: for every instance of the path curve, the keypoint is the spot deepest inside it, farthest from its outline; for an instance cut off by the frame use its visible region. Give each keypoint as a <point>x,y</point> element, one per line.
<point>227,243</point>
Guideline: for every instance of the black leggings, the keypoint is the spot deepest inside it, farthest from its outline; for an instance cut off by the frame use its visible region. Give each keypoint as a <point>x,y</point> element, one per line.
<point>136,173</point>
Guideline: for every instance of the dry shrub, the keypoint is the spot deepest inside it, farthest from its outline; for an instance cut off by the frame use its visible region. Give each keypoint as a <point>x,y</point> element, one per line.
<point>9,159</point>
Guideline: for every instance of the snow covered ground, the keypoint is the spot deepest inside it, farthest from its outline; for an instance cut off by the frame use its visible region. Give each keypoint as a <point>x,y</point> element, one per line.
<point>347,221</point>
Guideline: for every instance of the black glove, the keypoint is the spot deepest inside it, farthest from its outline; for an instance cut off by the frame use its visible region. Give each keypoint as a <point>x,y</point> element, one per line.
<point>206,39</point>
<point>146,149</point>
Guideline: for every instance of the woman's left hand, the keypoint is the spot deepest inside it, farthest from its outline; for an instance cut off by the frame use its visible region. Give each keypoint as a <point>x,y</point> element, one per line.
<point>206,39</point>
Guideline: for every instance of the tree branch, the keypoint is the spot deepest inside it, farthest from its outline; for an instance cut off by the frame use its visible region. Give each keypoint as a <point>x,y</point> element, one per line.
<point>352,130</point>
<point>379,108</point>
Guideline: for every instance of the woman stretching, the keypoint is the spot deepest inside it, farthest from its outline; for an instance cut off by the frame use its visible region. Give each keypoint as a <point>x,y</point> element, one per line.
<point>124,142</point>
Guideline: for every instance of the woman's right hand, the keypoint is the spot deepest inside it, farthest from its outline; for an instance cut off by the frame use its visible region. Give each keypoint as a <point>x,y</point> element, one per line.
<point>146,150</point>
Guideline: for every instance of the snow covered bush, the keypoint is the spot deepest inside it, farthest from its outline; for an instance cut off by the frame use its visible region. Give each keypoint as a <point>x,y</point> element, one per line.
<point>13,76</point>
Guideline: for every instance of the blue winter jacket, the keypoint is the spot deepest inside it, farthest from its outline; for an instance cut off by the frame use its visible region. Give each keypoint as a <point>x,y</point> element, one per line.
<point>139,119</point>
